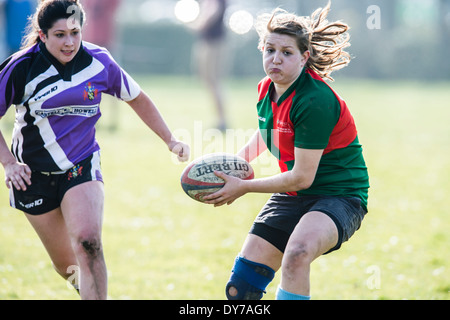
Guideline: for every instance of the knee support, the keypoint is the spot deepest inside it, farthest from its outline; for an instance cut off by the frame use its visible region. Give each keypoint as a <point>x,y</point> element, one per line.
<point>249,280</point>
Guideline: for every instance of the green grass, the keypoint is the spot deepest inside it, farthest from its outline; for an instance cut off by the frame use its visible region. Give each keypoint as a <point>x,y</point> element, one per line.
<point>160,244</point>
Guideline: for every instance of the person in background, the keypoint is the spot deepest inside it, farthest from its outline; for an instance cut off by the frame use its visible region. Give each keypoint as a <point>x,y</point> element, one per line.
<point>209,52</point>
<point>101,27</point>
<point>101,30</point>
<point>17,13</point>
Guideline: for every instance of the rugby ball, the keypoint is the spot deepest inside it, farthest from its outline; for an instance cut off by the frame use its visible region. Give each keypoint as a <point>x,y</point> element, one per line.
<point>198,179</point>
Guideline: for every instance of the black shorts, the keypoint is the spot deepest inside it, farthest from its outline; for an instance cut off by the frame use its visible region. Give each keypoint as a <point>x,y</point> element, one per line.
<point>48,189</point>
<point>278,218</point>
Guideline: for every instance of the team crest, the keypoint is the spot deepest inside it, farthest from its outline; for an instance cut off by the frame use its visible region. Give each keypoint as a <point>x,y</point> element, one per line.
<point>90,92</point>
<point>75,172</point>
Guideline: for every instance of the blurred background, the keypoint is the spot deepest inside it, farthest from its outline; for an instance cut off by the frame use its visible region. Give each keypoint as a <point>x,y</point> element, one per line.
<point>162,245</point>
<point>406,39</point>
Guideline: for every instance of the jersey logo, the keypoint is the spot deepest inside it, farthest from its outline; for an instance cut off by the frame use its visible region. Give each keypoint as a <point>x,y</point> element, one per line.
<point>284,127</point>
<point>84,111</point>
<point>46,93</point>
<point>75,172</point>
<point>36,203</point>
<point>90,92</point>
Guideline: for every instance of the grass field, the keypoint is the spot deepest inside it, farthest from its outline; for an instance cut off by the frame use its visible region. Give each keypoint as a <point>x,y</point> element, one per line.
<point>159,244</point>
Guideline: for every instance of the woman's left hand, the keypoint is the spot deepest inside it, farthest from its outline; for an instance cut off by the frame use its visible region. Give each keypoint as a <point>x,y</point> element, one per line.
<point>181,149</point>
<point>233,189</point>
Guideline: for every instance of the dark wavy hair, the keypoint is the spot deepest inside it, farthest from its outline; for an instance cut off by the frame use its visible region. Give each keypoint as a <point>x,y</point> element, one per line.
<point>47,13</point>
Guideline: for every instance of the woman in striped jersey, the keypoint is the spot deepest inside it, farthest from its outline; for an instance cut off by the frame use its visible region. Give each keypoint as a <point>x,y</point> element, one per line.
<point>320,197</point>
<point>53,166</point>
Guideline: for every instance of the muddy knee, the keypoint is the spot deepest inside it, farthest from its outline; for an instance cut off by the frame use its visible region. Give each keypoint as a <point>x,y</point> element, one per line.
<point>92,247</point>
<point>296,258</point>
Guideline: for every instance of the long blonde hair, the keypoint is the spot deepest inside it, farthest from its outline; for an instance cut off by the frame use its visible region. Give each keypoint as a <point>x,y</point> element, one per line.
<point>324,40</point>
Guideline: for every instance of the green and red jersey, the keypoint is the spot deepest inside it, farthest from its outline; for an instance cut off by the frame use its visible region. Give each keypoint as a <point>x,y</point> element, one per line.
<point>311,115</point>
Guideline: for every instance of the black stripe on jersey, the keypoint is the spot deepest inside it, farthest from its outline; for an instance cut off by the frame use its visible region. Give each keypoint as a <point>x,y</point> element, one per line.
<point>33,143</point>
<point>37,66</point>
<point>31,66</point>
<point>16,79</point>
<point>81,60</point>
<point>8,90</point>
<point>5,63</point>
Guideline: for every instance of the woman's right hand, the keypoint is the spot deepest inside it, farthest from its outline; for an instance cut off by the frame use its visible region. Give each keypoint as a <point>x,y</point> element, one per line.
<point>18,175</point>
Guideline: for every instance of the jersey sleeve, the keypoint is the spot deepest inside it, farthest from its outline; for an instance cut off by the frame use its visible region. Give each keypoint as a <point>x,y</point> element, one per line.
<point>9,92</point>
<point>314,119</point>
<point>121,84</point>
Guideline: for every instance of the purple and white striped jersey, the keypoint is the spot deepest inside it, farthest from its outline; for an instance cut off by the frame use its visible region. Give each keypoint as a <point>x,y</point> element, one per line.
<point>57,106</point>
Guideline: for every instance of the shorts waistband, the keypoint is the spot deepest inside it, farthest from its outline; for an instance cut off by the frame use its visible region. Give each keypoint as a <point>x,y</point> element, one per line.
<point>53,173</point>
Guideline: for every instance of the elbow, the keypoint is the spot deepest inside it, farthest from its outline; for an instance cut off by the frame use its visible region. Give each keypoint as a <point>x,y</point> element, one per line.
<point>303,183</point>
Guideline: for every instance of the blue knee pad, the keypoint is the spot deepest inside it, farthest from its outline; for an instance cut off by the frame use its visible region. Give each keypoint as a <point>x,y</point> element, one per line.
<point>250,279</point>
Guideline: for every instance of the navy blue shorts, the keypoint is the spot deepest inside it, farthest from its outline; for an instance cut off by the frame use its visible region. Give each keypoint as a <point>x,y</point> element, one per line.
<point>47,189</point>
<point>280,215</point>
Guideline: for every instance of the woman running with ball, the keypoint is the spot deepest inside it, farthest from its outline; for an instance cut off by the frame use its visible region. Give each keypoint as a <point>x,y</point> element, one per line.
<point>53,167</point>
<point>320,197</point>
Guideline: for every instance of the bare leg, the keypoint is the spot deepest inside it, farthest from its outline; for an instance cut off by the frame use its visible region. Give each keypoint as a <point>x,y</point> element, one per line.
<point>315,234</point>
<point>258,250</point>
<point>51,229</point>
<point>82,208</point>
<point>210,66</point>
